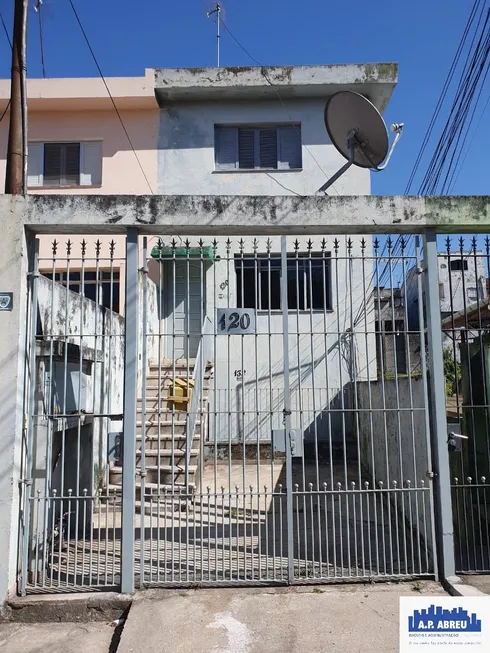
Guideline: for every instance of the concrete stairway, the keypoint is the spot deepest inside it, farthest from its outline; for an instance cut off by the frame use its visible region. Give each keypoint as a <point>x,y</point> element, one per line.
<point>163,435</point>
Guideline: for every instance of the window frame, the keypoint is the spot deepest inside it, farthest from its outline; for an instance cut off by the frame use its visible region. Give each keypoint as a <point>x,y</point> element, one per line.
<point>73,281</point>
<point>257,128</point>
<point>82,144</point>
<point>299,263</point>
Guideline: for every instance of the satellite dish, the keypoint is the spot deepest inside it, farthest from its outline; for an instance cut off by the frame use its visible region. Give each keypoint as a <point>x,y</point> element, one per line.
<point>358,132</point>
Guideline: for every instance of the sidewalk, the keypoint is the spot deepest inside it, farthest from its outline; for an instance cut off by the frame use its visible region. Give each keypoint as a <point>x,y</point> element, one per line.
<point>348,619</point>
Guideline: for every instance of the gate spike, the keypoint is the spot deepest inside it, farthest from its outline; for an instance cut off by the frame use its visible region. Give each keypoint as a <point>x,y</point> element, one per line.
<point>336,244</point>
<point>349,245</point>
<point>473,244</point>
<point>200,243</point>
<point>112,248</point>
<point>323,244</point>
<point>310,485</point>
<point>402,243</point>
<point>309,245</point>
<point>228,246</point>
<point>395,484</point>
<point>376,246</point>
<point>363,245</point>
<point>409,484</point>
<point>55,247</point>
<point>68,248</point>
<point>487,244</point>
<point>389,244</point>
<point>268,245</point>
<point>461,244</point>
<point>187,244</point>
<point>98,245</point>
<point>483,479</point>
<point>83,245</point>
<point>366,485</point>
<point>448,245</point>
<point>470,480</point>
<point>296,245</point>
<point>241,245</point>
<point>173,244</point>
<point>325,486</point>
<point>255,244</point>
<point>381,484</point>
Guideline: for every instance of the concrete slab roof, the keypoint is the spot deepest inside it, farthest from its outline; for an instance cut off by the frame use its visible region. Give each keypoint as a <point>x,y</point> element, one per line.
<point>244,215</point>
<point>376,81</point>
<point>86,93</point>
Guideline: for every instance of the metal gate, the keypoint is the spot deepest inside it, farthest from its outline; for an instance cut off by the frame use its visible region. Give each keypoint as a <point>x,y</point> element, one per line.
<point>294,446</point>
<point>464,273</point>
<point>275,433</point>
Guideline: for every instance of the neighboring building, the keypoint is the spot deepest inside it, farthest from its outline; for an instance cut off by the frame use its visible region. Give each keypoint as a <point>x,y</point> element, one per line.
<point>397,348</point>
<point>462,282</point>
<point>77,145</point>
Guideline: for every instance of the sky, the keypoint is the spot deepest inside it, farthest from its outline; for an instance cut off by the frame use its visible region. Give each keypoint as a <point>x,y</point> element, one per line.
<point>127,37</point>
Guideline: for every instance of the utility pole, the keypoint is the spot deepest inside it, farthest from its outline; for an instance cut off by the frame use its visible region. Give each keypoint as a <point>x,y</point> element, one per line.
<point>16,172</point>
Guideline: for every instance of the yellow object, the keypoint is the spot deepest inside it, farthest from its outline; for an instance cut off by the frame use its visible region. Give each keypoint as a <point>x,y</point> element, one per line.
<point>180,393</point>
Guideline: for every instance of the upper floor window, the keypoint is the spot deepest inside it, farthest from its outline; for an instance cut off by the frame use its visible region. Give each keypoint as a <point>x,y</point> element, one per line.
<point>58,165</point>
<point>268,147</point>
<point>459,265</point>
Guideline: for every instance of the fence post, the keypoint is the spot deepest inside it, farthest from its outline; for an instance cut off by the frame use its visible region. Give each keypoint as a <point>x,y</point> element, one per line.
<point>438,421</point>
<point>131,313</point>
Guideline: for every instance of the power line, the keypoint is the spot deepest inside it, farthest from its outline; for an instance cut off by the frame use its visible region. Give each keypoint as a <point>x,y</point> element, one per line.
<point>5,111</point>
<point>109,93</point>
<point>37,8</point>
<point>268,80</point>
<point>5,30</point>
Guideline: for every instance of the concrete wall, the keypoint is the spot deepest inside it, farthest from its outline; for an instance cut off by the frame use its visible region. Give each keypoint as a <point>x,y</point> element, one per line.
<point>186,151</point>
<point>394,447</point>
<point>102,353</point>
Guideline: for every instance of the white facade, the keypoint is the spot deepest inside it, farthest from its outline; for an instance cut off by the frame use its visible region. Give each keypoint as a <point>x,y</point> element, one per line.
<point>249,370</point>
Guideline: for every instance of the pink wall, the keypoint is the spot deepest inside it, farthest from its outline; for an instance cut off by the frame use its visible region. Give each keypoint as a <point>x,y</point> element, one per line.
<point>121,173</point>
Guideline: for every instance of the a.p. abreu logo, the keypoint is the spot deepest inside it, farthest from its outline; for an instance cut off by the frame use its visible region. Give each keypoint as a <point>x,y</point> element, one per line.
<point>437,619</point>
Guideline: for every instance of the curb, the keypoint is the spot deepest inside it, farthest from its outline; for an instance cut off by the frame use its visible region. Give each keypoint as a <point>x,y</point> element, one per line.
<point>455,586</point>
<point>80,607</point>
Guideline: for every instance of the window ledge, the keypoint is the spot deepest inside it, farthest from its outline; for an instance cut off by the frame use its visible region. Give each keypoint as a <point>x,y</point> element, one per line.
<point>63,187</point>
<point>246,171</point>
<point>292,311</point>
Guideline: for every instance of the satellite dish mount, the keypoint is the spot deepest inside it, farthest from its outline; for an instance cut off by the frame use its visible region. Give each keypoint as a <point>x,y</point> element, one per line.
<point>358,131</point>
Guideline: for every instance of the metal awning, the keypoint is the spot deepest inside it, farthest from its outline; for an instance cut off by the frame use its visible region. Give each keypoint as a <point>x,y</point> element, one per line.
<point>166,253</point>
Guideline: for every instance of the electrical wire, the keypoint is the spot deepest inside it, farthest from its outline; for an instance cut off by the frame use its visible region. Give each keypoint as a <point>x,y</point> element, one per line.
<point>37,9</point>
<point>271,83</point>
<point>109,93</point>
<point>5,30</point>
<point>5,111</point>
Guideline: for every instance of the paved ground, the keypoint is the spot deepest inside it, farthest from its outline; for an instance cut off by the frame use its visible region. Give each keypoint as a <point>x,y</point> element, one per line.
<point>481,582</point>
<point>56,638</point>
<point>351,619</point>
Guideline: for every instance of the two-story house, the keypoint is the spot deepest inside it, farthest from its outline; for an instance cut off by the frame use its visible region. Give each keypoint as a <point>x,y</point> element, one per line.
<point>237,131</point>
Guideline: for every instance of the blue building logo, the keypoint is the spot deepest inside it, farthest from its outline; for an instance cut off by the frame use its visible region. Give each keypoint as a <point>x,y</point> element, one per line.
<point>436,619</point>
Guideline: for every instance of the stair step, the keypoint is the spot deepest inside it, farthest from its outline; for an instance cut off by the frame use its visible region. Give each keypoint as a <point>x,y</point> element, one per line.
<point>167,453</point>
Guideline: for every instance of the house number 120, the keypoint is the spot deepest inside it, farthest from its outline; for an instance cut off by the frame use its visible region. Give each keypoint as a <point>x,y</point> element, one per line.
<point>237,321</point>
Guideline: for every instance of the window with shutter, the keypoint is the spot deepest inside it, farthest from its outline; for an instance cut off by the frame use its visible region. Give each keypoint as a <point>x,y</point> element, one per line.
<point>258,147</point>
<point>289,147</point>
<point>268,148</point>
<point>65,164</point>
<point>246,148</point>
<point>226,148</point>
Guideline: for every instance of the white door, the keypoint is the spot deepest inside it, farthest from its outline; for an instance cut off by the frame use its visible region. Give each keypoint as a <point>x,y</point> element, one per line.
<point>184,303</point>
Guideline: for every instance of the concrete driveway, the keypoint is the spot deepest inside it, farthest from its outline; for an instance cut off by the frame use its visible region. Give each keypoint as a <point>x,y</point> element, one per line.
<point>348,619</point>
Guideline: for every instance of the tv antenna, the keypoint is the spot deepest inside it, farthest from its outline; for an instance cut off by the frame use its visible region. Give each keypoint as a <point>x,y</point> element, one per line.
<point>217,9</point>
<point>359,133</point>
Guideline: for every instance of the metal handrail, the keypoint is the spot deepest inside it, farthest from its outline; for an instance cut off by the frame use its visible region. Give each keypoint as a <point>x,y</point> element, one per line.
<point>197,377</point>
